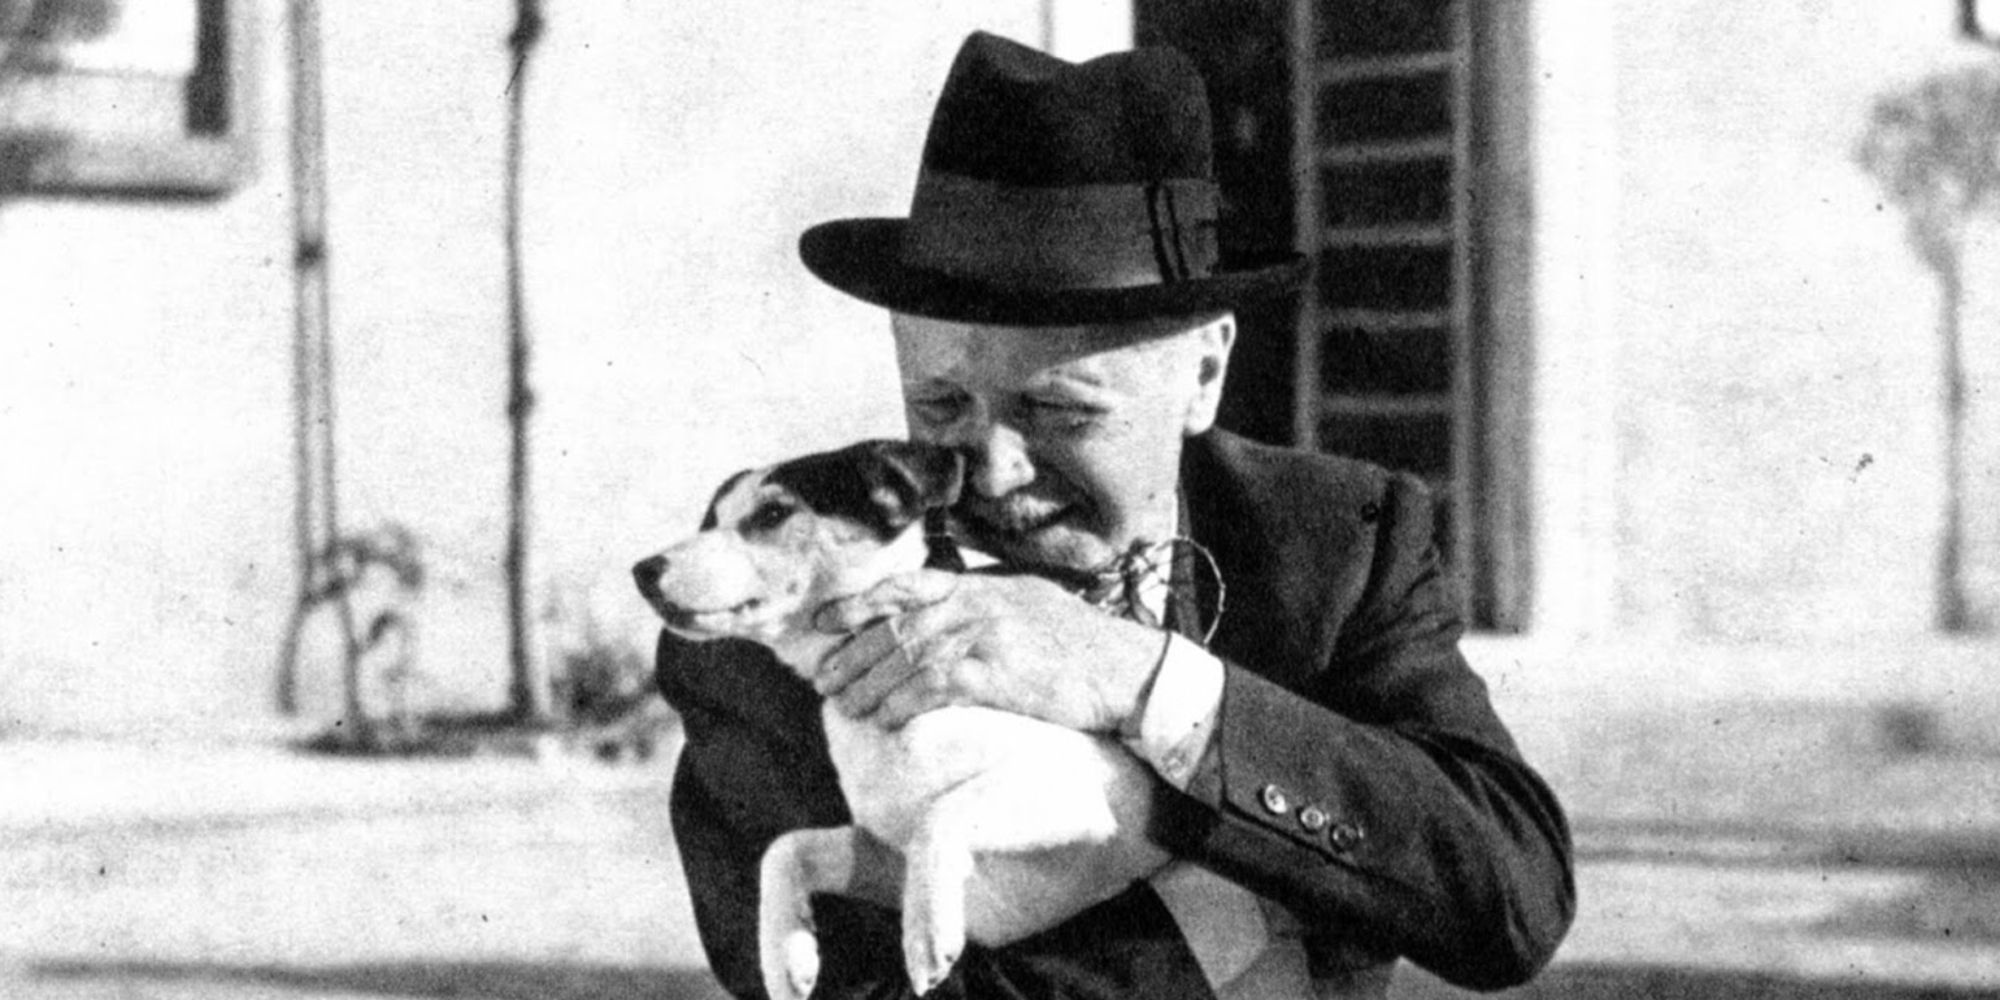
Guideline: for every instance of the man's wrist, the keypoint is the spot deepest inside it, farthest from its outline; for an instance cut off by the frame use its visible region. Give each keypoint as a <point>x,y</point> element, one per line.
<point>1177,714</point>
<point>1128,727</point>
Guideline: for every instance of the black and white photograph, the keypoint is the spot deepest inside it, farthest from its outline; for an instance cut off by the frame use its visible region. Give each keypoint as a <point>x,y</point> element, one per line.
<point>999,499</point>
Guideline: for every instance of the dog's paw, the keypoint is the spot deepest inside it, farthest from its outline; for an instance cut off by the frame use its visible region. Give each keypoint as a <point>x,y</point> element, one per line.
<point>930,949</point>
<point>801,963</point>
<point>788,951</point>
<point>791,966</point>
<point>927,974</point>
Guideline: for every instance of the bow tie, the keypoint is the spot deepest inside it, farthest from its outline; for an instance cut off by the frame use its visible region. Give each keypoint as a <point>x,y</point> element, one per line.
<point>1138,584</point>
<point>1141,584</point>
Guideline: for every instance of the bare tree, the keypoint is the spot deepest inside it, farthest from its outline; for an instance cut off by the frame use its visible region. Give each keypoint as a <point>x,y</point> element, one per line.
<point>530,691</point>
<point>1935,148</point>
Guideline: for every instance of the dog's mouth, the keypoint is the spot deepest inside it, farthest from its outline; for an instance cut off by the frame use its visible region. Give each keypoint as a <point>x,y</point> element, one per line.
<point>701,622</point>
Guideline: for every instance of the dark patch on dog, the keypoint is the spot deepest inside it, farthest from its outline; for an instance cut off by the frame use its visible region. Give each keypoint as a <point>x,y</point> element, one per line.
<point>881,485</point>
<point>709,520</point>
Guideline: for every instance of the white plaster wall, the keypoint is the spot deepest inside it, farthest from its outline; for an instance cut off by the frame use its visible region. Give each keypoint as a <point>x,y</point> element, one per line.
<point>1727,323</point>
<point>675,151</point>
<point>1569,116</point>
<point>1776,394</point>
<point>145,441</point>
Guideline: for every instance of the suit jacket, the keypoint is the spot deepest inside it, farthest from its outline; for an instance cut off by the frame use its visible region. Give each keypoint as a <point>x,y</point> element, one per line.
<point>1358,773</point>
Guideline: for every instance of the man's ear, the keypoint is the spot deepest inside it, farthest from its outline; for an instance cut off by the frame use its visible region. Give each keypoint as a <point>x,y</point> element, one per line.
<point>1208,346</point>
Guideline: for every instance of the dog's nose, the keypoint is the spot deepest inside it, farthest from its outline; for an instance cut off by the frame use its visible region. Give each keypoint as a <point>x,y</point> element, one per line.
<point>647,572</point>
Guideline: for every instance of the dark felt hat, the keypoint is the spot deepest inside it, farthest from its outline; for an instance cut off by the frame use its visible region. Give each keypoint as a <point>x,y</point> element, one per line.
<point>1055,193</point>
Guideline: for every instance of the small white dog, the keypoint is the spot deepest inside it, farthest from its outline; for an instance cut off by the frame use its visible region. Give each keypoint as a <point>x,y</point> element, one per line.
<point>1007,824</point>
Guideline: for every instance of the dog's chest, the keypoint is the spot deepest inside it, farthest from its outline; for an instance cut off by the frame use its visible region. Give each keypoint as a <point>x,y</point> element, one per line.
<point>891,777</point>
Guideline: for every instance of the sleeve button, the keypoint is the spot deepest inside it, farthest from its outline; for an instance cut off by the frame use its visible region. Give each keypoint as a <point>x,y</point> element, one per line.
<point>1346,836</point>
<point>1313,818</point>
<point>1276,800</point>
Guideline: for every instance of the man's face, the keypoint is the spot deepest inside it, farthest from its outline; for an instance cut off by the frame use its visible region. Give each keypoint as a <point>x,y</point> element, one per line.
<point>1073,434</point>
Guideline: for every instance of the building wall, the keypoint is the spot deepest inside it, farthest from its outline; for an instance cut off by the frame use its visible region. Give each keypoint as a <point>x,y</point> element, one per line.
<point>674,153</point>
<point>1776,410</point>
<point>1733,388</point>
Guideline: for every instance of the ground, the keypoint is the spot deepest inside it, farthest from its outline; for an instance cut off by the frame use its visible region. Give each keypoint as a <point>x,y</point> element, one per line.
<point>147,869</point>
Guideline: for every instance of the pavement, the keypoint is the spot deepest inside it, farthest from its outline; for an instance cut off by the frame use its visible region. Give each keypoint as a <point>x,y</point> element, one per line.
<point>1734,851</point>
<point>141,869</point>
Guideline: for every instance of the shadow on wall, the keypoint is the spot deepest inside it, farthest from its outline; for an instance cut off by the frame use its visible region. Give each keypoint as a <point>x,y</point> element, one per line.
<point>1640,982</point>
<point>497,980</point>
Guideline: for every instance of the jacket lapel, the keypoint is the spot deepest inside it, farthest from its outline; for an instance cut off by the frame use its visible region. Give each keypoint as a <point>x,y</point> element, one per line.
<point>1280,616</point>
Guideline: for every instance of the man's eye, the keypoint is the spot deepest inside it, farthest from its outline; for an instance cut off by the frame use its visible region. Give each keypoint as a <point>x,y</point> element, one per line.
<point>1062,415</point>
<point>768,516</point>
<point>937,411</point>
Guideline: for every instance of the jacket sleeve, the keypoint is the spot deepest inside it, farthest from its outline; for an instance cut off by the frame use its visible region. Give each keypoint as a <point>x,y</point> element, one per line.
<point>1377,794</point>
<point>753,766</point>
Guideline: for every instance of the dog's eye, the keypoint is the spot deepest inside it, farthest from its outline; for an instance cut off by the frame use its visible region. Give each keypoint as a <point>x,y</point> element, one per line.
<point>768,516</point>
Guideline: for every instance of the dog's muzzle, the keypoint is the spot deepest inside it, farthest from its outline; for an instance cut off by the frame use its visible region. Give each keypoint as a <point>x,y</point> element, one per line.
<point>646,573</point>
<point>649,572</point>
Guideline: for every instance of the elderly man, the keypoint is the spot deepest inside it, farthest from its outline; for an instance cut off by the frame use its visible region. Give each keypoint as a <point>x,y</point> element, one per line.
<point>1061,315</point>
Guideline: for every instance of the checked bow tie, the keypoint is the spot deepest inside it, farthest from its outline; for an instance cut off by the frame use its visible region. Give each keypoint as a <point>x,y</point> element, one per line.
<point>1138,585</point>
<point>1151,583</point>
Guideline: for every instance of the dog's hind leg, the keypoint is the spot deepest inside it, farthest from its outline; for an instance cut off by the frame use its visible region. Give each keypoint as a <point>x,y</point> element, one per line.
<point>795,866</point>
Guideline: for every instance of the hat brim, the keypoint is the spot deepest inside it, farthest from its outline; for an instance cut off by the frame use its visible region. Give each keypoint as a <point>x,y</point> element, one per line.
<point>863,257</point>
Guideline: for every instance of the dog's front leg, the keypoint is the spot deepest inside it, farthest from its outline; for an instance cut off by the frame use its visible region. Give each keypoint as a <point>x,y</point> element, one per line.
<point>795,866</point>
<point>1004,812</point>
<point>934,897</point>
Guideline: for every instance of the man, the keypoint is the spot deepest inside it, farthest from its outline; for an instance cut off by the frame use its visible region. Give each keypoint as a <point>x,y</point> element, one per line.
<point>1061,316</point>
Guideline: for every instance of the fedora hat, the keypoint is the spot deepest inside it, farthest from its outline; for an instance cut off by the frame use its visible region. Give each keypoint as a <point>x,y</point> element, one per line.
<point>1055,193</point>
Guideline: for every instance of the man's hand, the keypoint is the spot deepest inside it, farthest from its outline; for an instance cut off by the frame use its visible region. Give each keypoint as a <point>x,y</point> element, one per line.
<point>927,639</point>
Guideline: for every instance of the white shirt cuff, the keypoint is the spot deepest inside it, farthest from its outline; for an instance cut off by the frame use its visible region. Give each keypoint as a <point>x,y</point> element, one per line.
<point>1180,713</point>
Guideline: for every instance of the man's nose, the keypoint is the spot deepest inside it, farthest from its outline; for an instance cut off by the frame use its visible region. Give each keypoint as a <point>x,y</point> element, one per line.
<point>998,461</point>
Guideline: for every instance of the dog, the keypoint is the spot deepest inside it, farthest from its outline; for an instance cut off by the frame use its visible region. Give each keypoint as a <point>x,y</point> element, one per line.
<point>1006,824</point>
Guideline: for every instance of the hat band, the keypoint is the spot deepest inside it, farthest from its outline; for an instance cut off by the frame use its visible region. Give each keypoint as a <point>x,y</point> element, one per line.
<point>1089,236</point>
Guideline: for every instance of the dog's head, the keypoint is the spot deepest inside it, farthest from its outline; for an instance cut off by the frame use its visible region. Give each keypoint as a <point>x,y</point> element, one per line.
<point>781,541</point>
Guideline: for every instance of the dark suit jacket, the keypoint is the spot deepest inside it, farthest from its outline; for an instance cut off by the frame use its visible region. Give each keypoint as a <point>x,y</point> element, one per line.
<point>1345,693</point>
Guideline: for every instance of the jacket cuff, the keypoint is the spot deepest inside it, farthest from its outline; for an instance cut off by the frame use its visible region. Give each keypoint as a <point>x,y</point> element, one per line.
<point>1297,792</point>
<point>1273,773</point>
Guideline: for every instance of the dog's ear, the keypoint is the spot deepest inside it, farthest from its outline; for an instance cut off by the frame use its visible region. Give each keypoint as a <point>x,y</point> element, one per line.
<point>904,479</point>
<point>924,476</point>
<point>884,485</point>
